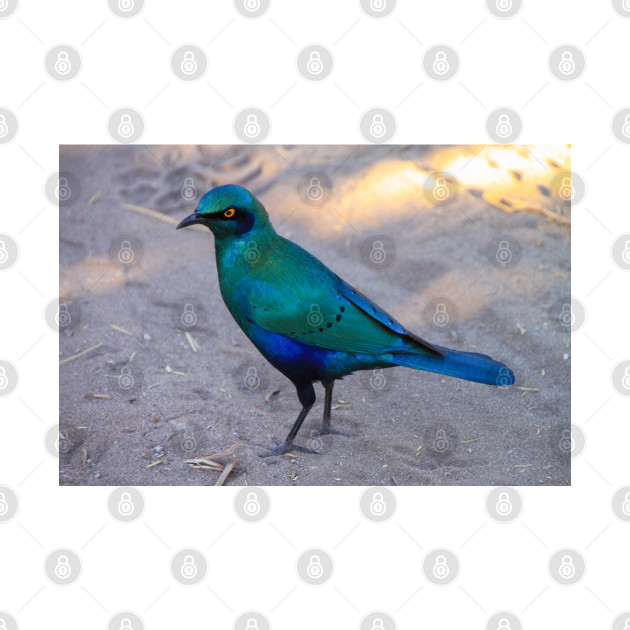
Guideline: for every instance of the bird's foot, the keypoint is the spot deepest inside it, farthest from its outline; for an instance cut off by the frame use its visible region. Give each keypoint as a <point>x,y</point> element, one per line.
<point>326,429</point>
<point>285,447</point>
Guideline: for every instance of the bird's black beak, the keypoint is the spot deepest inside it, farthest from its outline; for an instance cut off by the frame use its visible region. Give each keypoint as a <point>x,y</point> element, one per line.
<point>193,219</point>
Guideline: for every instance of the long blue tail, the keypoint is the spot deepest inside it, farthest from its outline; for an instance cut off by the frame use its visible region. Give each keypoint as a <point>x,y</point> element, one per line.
<point>470,366</point>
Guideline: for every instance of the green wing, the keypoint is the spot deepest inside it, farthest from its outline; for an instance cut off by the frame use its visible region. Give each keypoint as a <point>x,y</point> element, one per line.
<point>317,308</point>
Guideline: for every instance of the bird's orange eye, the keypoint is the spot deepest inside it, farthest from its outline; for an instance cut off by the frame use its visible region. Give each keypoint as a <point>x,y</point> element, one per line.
<point>229,213</point>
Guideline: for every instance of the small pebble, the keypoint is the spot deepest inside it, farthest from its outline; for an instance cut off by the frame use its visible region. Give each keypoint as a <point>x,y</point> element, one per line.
<point>158,449</point>
<point>146,337</point>
<point>97,476</point>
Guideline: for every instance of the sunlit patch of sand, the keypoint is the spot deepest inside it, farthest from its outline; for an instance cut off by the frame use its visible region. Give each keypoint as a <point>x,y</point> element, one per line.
<point>510,178</point>
<point>99,275</point>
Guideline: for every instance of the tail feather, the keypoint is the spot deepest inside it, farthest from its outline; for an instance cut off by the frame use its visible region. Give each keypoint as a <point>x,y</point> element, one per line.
<point>470,366</point>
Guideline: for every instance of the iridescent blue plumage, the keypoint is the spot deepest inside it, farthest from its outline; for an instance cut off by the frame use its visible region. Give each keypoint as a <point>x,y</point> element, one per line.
<point>307,322</point>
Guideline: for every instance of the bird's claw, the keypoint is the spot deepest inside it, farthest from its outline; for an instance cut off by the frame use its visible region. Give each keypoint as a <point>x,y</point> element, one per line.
<point>283,447</point>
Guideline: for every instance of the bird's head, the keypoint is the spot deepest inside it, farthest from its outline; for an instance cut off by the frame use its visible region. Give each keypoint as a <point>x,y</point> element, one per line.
<point>228,211</point>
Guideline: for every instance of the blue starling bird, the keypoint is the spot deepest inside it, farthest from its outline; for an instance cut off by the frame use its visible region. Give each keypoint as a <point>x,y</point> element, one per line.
<point>304,319</point>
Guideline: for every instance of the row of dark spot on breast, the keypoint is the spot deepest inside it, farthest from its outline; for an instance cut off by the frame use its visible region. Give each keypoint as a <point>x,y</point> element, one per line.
<point>328,324</point>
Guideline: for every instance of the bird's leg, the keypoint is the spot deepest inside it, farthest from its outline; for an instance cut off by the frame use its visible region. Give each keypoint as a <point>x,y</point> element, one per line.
<point>326,429</point>
<point>306,396</point>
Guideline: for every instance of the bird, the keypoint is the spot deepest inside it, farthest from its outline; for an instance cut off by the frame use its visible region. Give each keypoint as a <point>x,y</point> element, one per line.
<point>304,319</point>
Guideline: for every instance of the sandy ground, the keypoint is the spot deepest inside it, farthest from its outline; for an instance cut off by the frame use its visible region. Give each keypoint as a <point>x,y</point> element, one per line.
<point>145,397</point>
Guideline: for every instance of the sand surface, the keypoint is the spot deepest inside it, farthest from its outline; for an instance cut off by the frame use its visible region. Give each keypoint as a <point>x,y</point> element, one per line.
<point>145,397</point>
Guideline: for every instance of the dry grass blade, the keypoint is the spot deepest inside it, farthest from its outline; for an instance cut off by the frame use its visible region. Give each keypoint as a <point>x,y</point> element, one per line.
<point>203,463</point>
<point>223,462</point>
<point>80,354</point>
<point>271,395</point>
<point>192,342</point>
<point>511,205</point>
<point>225,473</point>
<point>157,215</point>
<point>228,452</point>
<point>122,330</point>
